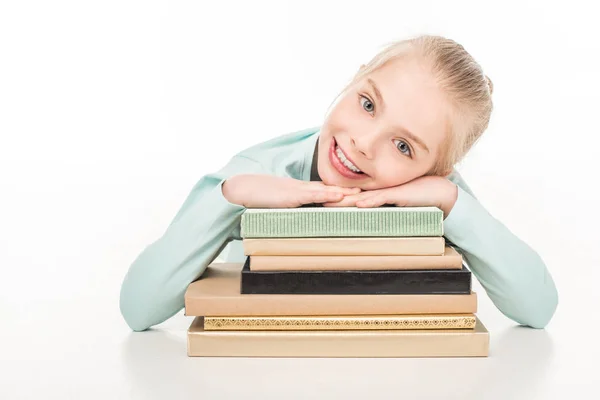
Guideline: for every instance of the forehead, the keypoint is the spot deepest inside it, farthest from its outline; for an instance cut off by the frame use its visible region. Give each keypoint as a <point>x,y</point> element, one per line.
<point>412,99</point>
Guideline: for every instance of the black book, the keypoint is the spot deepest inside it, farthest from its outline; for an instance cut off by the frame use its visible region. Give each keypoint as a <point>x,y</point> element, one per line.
<point>356,282</point>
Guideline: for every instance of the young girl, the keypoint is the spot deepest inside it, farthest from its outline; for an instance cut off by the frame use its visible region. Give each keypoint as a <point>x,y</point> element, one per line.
<point>397,130</point>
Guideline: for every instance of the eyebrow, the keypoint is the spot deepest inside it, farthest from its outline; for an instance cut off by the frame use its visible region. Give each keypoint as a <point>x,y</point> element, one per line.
<point>408,133</point>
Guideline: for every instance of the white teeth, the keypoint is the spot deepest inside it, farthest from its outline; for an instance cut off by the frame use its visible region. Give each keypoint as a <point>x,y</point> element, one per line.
<point>345,161</point>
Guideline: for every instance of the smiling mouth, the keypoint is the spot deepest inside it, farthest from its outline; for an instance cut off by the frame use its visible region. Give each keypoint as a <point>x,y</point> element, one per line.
<point>344,164</point>
<point>347,163</point>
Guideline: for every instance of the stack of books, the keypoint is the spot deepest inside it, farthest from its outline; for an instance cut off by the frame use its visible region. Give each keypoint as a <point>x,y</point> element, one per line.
<point>338,282</point>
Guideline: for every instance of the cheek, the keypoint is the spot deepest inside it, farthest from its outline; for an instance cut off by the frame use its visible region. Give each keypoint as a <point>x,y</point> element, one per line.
<point>345,114</point>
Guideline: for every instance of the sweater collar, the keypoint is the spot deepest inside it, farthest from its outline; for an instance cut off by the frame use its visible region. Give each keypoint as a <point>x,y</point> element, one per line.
<point>314,171</point>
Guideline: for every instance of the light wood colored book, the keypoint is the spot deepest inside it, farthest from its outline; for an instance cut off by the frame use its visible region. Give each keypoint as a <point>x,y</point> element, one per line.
<point>393,343</point>
<point>451,259</point>
<point>348,322</point>
<point>217,293</point>
<point>349,246</point>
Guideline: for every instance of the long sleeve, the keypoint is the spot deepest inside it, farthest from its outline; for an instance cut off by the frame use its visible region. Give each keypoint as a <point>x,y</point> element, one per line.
<point>154,287</point>
<point>514,275</point>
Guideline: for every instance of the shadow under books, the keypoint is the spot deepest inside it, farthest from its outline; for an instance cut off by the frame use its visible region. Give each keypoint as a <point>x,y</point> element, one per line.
<point>157,366</point>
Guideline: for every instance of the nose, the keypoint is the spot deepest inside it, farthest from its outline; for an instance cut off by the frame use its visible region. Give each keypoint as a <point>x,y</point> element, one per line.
<point>364,144</point>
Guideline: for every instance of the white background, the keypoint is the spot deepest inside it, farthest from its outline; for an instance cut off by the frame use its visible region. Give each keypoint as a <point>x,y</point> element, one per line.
<point>111,111</point>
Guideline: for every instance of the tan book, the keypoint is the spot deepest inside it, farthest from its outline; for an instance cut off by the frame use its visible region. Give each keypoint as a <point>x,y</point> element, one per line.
<point>345,246</point>
<point>217,293</point>
<point>451,259</point>
<point>348,322</point>
<point>390,343</point>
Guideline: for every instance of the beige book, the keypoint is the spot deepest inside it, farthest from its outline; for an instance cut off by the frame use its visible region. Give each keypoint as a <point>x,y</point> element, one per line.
<point>217,293</point>
<point>392,343</point>
<point>451,259</point>
<point>347,322</point>
<point>346,246</point>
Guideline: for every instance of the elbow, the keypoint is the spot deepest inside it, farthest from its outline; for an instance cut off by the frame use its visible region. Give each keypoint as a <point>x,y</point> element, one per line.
<point>539,317</point>
<point>135,323</point>
<point>139,297</point>
<point>144,309</point>
<point>543,302</point>
<point>533,299</point>
<point>537,311</point>
<point>149,298</point>
<point>132,309</point>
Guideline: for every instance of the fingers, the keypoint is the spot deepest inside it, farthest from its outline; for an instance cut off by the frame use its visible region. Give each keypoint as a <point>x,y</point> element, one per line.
<point>373,201</point>
<point>347,201</point>
<point>363,199</point>
<point>380,199</point>
<point>345,190</point>
<point>324,196</point>
<point>343,203</point>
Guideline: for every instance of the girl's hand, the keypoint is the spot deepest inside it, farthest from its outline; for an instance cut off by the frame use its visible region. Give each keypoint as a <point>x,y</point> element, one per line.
<point>268,191</point>
<point>425,191</point>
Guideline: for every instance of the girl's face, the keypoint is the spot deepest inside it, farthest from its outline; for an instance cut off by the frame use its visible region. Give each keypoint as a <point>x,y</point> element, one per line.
<point>389,126</point>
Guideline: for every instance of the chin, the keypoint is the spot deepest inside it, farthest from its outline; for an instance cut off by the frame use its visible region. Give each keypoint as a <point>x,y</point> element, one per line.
<point>328,177</point>
<point>332,178</point>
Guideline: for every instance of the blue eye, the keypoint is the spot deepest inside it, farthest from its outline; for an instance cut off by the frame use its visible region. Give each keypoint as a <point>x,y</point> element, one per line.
<point>368,102</point>
<point>406,147</point>
<point>402,145</point>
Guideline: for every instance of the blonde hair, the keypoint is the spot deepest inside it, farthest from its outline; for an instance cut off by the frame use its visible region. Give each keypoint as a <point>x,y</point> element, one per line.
<point>467,88</point>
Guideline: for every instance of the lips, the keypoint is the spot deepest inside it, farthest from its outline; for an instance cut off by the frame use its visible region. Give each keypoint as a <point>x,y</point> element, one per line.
<point>339,166</point>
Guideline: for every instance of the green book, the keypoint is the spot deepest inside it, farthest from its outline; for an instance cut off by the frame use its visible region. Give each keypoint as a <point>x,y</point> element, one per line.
<point>342,222</point>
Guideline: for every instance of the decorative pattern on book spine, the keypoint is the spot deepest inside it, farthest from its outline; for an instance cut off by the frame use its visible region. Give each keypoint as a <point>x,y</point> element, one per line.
<point>339,323</point>
<point>342,224</point>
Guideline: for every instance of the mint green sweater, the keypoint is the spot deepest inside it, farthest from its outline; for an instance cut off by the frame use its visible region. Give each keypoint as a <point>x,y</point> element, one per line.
<point>512,274</point>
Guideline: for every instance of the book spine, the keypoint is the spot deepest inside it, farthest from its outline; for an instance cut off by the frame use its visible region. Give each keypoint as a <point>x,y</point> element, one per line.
<point>356,282</point>
<point>404,246</point>
<point>270,305</point>
<point>342,224</point>
<point>390,343</point>
<point>340,322</point>
<point>354,263</point>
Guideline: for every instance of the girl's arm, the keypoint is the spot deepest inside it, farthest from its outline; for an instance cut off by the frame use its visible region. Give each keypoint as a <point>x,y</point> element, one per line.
<point>513,275</point>
<point>154,287</point>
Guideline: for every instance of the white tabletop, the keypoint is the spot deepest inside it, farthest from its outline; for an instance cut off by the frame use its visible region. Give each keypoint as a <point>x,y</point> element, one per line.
<point>62,337</point>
